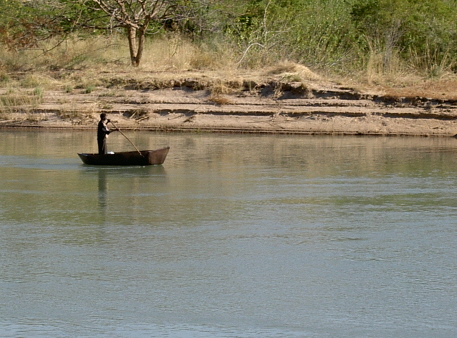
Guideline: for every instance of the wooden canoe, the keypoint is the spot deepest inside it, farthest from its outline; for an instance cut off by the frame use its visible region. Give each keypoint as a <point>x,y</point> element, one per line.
<point>144,157</point>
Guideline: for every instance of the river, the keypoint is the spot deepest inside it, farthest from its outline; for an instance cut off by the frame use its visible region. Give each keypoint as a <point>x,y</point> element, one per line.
<point>233,236</point>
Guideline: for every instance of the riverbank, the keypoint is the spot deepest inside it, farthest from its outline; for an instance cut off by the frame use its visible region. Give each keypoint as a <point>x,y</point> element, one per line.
<point>269,104</point>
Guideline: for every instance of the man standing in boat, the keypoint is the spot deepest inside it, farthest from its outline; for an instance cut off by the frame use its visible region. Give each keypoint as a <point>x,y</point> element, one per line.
<point>102,133</point>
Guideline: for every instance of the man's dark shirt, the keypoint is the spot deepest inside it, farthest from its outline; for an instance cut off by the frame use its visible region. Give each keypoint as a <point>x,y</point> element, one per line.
<point>102,130</point>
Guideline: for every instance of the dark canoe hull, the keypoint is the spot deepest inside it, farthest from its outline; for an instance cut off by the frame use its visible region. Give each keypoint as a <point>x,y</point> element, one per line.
<point>147,157</point>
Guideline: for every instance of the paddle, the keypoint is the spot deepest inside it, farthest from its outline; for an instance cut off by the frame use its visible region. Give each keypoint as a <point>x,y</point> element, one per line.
<point>125,137</point>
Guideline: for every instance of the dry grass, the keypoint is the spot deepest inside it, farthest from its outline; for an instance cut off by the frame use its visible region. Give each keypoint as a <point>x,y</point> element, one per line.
<point>393,77</point>
<point>293,71</point>
<point>84,65</point>
<point>15,100</point>
<point>219,100</point>
<point>434,89</point>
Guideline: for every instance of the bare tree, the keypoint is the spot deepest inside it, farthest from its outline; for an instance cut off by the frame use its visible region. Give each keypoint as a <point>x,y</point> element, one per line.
<point>135,16</point>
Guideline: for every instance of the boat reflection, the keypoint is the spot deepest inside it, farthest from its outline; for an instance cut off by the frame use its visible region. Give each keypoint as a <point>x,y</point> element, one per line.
<point>126,181</point>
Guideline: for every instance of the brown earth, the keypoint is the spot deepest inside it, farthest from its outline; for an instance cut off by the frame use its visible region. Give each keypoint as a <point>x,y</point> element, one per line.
<point>254,106</point>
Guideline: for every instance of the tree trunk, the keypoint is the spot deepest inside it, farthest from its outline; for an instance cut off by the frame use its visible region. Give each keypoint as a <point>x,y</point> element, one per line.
<point>141,40</point>
<point>136,45</point>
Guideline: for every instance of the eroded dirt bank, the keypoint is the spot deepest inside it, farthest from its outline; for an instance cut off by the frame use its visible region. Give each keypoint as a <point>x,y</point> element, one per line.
<point>268,107</point>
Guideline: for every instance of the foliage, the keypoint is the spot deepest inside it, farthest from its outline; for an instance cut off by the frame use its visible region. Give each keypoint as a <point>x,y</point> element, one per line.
<point>410,27</point>
<point>331,35</point>
<point>25,24</point>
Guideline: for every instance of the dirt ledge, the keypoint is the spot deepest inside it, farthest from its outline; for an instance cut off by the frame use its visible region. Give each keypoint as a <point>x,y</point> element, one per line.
<point>269,107</point>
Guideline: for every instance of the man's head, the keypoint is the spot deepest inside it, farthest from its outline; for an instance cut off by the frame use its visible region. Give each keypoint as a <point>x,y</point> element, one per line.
<point>103,116</point>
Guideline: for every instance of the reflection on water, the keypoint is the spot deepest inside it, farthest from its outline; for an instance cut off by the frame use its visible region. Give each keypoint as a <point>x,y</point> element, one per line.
<point>102,188</point>
<point>234,236</point>
<point>125,180</point>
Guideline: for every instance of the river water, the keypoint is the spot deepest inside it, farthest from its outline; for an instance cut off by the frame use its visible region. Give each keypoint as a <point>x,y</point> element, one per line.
<point>234,236</point>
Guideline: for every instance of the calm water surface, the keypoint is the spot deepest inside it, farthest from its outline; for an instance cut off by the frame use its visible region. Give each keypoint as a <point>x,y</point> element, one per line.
<point>234,236</point>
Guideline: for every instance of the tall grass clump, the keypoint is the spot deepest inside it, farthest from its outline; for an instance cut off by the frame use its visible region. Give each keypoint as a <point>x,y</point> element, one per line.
<point>16,100</point>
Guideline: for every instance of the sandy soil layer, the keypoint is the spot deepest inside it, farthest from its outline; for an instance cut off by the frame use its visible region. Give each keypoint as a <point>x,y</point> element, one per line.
<point>265,108</point>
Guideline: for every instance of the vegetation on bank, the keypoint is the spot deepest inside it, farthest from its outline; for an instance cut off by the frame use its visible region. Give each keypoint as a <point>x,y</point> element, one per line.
<point>70,44</point>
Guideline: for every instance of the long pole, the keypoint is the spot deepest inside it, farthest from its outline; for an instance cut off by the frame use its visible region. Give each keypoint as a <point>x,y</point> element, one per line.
<point>126,137</point>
